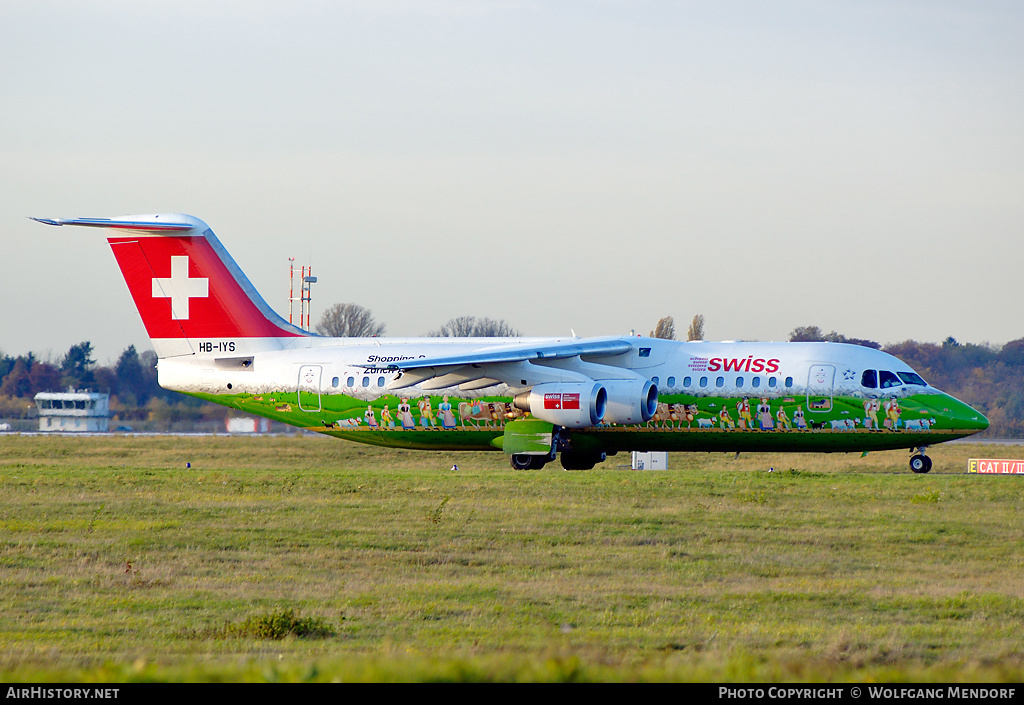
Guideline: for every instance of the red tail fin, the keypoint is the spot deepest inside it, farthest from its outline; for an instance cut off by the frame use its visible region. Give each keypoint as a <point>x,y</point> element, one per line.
<point>190,293</point>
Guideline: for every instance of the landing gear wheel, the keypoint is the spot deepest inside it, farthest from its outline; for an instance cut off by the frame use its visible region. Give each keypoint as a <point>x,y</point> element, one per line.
<point>520,461</point>
<point>920,463</point>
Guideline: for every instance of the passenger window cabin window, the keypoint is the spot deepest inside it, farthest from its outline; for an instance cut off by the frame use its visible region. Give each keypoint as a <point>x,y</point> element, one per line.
<point>869,379</point>
<point>720,382</point>
<point>671,382</point>
<point>703,381</point>
<point>335,382</point>
<point>772,382</point>
<point>757,381</point>
<point>789,381</point>
<point>687,381</point>
<point>351,381</point>
<point>655,381</point>
<point>888,379</point>
<point>366,381</point>
<point>380,381</point>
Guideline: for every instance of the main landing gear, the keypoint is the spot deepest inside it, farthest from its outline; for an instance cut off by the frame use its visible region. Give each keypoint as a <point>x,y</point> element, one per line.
<point>521,461</point>
<point>919,462</point>
<point>561,445</point>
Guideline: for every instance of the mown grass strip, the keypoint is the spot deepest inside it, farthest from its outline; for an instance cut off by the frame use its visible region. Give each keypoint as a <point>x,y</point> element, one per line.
<point>120,563</point>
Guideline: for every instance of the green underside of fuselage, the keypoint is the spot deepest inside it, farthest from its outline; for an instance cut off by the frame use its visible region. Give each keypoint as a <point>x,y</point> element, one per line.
<point>682,423</point>
<point>614,440</point>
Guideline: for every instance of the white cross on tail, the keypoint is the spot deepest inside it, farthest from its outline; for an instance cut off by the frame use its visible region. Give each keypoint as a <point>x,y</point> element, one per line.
<point>179,288</point>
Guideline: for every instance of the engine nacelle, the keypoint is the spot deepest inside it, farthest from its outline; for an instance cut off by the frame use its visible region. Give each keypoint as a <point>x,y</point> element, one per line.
<point>630,401</point>
<point>569,404</point>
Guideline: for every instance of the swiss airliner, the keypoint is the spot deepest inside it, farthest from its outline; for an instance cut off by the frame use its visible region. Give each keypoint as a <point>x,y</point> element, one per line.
<point>535,399</point>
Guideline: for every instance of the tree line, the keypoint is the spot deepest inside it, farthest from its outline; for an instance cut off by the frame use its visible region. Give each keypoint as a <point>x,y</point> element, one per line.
<point>131,381</point>
<point>132,377</point>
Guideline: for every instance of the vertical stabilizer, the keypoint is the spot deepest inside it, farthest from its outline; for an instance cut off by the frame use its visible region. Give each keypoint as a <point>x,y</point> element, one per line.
<point>192,296</point>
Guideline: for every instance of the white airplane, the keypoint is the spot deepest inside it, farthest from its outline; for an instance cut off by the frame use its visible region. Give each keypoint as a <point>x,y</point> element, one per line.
<point>533,398</point>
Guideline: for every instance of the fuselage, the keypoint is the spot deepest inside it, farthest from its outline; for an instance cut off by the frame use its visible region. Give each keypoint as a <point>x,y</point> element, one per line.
<point>728,396</point>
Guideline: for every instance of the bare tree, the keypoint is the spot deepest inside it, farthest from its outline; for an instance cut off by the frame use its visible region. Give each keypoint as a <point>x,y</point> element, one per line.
<point>696,329</point>
<point>666,329</point>
<point>473,327</point>
<point>349,321</point>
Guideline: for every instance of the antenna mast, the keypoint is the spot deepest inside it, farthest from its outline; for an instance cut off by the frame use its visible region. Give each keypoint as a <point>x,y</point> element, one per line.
<point>308,280</point>
<point>291,287</point>
<point>305,297</point>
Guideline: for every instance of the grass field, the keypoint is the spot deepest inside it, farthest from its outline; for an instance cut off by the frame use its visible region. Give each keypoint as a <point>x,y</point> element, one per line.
<point>307,558</point>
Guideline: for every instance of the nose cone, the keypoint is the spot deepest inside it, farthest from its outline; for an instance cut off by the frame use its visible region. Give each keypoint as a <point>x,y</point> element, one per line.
<point>956,415</point>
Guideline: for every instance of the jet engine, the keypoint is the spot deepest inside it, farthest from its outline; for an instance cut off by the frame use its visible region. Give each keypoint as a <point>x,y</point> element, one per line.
<point>630,401</point>
<point>570,404</point>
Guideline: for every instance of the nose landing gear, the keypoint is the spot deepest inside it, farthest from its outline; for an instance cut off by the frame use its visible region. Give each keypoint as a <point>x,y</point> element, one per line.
<point>919,462</point>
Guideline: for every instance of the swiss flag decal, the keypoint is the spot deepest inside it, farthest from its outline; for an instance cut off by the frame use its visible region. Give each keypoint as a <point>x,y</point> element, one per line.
<point>183,289</point>
<point>179,287</point>
<point>562,401</point>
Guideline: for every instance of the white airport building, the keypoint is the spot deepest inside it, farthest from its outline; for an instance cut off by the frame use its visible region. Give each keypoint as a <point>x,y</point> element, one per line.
<point>73,411</point>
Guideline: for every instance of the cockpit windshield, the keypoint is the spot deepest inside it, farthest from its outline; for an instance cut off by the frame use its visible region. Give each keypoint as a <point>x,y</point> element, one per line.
<point>873,379</point>
<point>912,378</point>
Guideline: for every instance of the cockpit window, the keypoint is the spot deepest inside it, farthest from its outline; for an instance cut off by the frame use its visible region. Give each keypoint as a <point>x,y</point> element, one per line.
<point>911,378</point>
<point>888,379</point>
<point>869,379</point>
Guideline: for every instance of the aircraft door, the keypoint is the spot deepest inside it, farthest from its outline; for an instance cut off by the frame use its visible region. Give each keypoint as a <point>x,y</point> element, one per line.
<point>309,387</point>
<point>820,381</point>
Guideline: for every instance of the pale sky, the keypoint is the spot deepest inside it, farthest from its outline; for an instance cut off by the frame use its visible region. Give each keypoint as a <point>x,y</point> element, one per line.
<point>589,166</point>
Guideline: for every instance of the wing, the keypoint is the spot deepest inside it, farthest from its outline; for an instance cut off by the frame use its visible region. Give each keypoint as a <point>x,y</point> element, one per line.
<point>518,365</point>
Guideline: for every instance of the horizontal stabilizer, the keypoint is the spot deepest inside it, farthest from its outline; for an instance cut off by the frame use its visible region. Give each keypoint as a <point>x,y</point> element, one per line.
<point>153,225</point>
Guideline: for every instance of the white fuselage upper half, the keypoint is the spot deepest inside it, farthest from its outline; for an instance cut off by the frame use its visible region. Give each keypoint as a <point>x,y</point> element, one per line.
<point>370,368</point>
